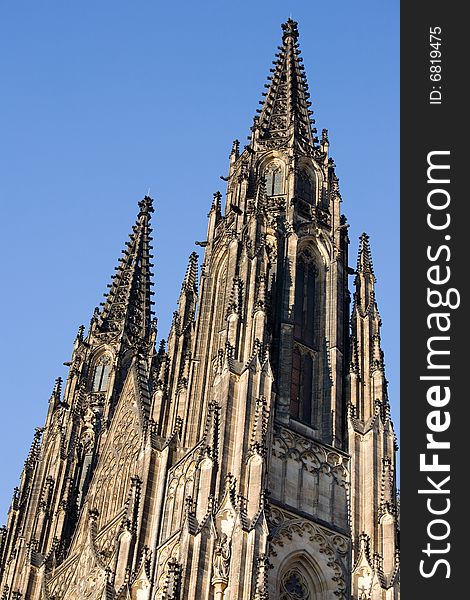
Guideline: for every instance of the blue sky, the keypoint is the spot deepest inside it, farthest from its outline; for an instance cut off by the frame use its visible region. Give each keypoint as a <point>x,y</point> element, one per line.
<point>103,100</point>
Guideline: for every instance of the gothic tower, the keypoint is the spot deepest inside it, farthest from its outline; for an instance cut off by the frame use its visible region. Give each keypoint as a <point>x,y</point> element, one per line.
<point>252,457</point>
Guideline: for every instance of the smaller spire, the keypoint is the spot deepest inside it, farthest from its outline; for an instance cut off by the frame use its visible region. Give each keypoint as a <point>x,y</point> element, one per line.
<point>364,259</point>
<point>364,282</point>
<point>190,278</point>
<point>33,453</point>
<point>235,149</point>
<point>128,306</point>
<point>216,202</point>
<point>56,391</point>
<point>80,332</point>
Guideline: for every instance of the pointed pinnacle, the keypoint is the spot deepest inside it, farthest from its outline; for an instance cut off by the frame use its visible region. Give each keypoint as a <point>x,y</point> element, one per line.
<point>57,390</point>
<point>285,114</point>
<point>35,445</point>
<point>128,307</point>
<point>236,148</point>
<point>80,332</point>
<point>364,259</point>
<point>216,202</point>
<point>189,282</point>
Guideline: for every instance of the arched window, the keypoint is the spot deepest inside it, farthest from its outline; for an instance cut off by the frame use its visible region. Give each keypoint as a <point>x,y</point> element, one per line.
<point>304,338</point>
<point>274,180</point>
<point>294,585</point>
<point>101,374</point>
<point>305,187</point>
<point>304,301</point>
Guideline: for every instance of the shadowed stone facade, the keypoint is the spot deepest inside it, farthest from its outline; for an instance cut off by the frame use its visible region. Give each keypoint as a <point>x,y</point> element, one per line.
<point>252,457</point>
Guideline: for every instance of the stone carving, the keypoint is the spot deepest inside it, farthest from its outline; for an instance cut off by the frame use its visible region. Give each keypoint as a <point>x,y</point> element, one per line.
<point>311,455</point>
<point>221,560</point>
<point>294,586</point>
<point>329,549</point>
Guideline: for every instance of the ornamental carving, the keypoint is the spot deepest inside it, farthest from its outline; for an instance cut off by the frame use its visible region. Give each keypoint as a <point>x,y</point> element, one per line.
<point>311,455</point>
<point>294,586</point>
<point>327,548</point>
<point>221,560</point>
<point>119,462</point>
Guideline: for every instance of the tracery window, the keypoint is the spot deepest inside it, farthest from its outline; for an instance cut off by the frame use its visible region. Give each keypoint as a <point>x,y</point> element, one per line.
<point>304,300</point>
<point>101,374</point>
<point>294,586</point>
<point>274,180</point>
<point>304,337</point>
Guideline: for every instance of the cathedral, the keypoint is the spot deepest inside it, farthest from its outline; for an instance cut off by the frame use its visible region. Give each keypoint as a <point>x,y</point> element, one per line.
<point>252,455</point>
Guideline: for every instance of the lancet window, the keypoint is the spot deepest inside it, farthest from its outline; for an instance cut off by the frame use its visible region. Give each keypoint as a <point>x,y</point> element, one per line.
<point>304,302</point>
<point>304,338</point>
<point>274,180</point>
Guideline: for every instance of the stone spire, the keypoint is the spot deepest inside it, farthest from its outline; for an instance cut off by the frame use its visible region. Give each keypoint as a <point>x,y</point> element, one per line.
<point>364,259</point>
<point>365,338</point>
<point>190,278</point>
<point>364,296</point>
<point>284,118</point>
<point>127,311</point>
<point>372,441</point>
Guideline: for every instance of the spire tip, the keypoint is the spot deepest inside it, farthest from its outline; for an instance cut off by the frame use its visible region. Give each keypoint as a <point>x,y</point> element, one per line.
<point>146,206</point>
<point>289,29</point>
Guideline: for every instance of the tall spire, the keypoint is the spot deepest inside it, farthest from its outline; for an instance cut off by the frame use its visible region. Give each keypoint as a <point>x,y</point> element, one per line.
<point>285,116</point>
<point>127,310</point>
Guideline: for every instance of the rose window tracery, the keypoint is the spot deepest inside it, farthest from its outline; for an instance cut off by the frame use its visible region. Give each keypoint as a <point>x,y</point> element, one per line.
<point>294,586</point>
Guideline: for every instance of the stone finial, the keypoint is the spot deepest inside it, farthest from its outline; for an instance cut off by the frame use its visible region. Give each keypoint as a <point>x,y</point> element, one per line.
<point>235,148</point>
<point>364,259</point>
<point>216,202</point>
<point>146,206</point>
<point>289,29</point>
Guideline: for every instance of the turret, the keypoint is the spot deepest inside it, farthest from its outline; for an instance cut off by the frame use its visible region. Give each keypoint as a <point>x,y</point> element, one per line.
<point>372,444</point>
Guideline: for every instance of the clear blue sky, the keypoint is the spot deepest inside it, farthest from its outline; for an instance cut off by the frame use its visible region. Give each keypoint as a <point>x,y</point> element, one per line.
<point>103,100</point>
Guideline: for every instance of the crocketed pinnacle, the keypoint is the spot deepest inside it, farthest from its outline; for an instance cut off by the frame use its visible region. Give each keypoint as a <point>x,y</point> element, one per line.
<point>33,453</point>
<point>364,259</point>
<point>56,391</point>
<point>285,116</point>
<point>128,307</point>
<point>190,278</point>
